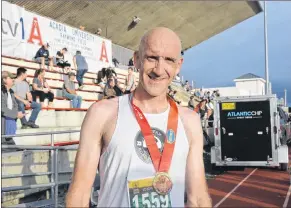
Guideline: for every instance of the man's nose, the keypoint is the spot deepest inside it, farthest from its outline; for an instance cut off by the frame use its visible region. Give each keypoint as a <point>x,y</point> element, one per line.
<point>160,66</point>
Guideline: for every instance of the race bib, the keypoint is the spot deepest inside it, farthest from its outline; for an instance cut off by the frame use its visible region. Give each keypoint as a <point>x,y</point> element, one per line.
<point>142,194</point>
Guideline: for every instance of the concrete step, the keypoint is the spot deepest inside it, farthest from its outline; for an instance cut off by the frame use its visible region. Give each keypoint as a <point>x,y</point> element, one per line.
<point>46,139</point>
<point>51,118</point>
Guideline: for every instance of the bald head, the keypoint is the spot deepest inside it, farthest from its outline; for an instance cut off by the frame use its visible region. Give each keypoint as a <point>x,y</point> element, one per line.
<point>162,38</point>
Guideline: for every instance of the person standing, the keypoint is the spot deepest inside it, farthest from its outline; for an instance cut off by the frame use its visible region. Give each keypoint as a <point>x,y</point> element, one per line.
<point>9,108</point>
<point>129,82</point>
<point>24,99</point>
<point>148,149</point>
<point>81,66</point>
<point>70,92</point>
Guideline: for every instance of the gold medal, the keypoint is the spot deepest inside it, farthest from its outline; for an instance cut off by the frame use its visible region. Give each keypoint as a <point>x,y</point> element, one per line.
<point>162,183</point>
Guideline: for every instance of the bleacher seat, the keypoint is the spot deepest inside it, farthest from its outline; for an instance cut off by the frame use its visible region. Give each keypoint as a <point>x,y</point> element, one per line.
<point>61,116</point>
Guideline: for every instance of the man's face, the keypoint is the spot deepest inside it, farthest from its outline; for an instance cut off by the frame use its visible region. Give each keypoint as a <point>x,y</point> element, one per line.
<point>159,63</point>
<point>24,75</point>
<point>72,78</point>
<point>111,83</point>
<point>9,82</point>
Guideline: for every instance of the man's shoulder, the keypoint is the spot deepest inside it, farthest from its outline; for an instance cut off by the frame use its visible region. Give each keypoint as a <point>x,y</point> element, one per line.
<point>104,108</point>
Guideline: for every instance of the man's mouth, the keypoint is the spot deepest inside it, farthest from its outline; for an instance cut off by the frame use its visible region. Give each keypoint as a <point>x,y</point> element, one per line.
<point>155,78</point>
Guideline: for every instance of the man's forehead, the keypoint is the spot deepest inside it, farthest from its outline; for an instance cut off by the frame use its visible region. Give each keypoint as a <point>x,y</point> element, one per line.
<point>162,48</point>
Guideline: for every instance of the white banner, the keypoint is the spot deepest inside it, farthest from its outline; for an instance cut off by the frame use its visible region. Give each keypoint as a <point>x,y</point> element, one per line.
<point>24,32</point>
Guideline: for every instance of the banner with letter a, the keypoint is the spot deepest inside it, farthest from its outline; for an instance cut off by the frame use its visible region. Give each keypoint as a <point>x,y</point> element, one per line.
<point>24,32</point>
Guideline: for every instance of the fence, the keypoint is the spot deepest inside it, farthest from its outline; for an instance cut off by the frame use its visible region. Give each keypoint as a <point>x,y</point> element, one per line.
<point>54,150</point>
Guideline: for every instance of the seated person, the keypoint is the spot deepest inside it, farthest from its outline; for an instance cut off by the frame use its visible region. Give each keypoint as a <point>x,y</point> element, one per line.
<point>109,91</point>
<point>9,108</point>
<point>69,91</point>
<point>42,56</point>
<point>41,89</point>
<point>24,99</point>
<point>101,78</point>
<point>60,60</point>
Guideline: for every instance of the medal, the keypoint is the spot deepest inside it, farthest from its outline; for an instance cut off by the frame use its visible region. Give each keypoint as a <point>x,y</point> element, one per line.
<point>162,182</point>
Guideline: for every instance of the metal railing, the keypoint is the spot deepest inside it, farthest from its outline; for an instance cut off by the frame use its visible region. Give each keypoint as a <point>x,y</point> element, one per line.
<point>54,173</point>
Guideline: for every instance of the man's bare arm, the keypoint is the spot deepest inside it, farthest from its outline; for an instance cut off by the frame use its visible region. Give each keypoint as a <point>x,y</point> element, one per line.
<point>88,155</point>
<point>196,186</point>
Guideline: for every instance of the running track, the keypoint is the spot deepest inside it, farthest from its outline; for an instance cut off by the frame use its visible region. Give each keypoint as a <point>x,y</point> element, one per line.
<point>253,187</point>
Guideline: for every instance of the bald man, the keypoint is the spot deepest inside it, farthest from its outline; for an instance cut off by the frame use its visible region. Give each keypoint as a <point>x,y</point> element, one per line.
<point>148,150</point>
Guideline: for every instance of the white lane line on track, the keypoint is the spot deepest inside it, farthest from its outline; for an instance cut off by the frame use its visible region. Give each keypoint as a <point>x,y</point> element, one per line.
<point>287,197</point>
<point>238,185</point>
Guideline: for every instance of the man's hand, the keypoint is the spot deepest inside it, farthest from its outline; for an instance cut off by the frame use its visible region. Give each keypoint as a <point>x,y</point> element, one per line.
<point>26,103</point>
<point>20,115</point>
<point>45,90</point>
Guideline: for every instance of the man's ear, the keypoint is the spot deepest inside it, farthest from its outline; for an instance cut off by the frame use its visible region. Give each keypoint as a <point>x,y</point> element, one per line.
<point>136,60</point>
<point>179,65</point>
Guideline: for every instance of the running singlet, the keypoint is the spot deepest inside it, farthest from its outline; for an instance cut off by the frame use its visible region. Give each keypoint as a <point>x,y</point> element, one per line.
<point>127,159</point>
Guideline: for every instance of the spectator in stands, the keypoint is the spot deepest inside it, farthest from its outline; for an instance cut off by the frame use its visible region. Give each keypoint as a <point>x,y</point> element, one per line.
<point>98,32</point>
<point>203,111</point>
<point>60,60</point>
<point>101,77</point>
<point>210,112</point>
<point>129,81</point>
<point>173,94</point>
<point>109,91</point>
<point>115,62</point>
<point>81,66</point>
<point>186,86</point>
<point>130,62</point>
<point>69,91</point>
<point>197,93</point>
<point>41,89</point>
<point>24,99</point>
<point>9,108</point>
<point>191,103</point>
<point>43,57</point>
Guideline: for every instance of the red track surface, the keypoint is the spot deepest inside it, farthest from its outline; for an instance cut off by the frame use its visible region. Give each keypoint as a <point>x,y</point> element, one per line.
<point>263,187</point>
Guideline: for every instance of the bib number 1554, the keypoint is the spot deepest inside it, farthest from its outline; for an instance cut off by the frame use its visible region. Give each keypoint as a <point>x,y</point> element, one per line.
<point>151,199</point>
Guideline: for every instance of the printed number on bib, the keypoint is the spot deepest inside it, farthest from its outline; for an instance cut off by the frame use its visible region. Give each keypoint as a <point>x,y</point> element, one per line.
<point>142,194</point>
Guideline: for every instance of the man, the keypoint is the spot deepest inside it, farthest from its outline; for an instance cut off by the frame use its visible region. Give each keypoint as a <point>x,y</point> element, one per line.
<point>81,66</point>
<point>24,99</point>
<point>60,60</point>
<point>129,81</point>
<point>191,104</point>
<point>112,132</point>
<point>70,92</point>
<point>9,108</point>
<point>43,57</point>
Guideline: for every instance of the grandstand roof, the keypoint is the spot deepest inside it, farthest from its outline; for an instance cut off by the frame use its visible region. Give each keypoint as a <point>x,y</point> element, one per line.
<point>194,21</point>
<point>249,76</point>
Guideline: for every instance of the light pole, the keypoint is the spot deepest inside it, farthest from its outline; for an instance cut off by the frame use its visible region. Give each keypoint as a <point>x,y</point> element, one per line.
<point>285,98</point>
<point>267,91</point>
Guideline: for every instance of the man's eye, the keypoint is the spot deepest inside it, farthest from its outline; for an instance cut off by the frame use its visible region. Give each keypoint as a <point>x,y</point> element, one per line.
<point>152,58</point>
<point>170,60</point>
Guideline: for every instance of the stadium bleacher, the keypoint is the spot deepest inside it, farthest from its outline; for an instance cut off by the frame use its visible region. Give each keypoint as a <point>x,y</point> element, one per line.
<point>61,117</point>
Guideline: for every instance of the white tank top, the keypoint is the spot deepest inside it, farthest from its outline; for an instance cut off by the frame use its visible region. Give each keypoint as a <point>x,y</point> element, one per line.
<point>127,158</point>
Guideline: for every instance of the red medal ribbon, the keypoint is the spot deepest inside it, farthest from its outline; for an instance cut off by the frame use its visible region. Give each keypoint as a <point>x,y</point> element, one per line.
<point>160,161</point>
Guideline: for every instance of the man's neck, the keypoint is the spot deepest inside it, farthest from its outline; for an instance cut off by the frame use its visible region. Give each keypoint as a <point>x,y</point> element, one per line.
<point>148,103</point>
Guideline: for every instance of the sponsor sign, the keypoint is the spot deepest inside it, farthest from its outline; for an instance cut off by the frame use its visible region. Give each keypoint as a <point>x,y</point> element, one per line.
<point>24,32</point>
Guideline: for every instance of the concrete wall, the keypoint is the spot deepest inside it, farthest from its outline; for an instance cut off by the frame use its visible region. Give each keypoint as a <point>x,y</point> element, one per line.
<point>253,86</point>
